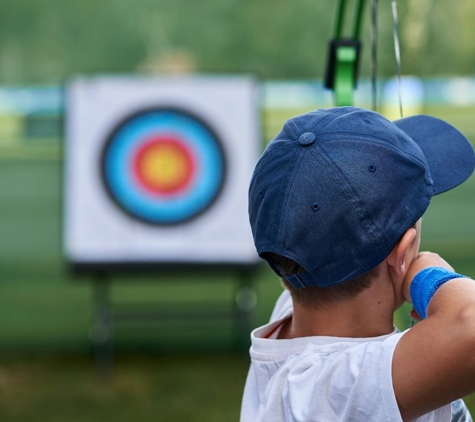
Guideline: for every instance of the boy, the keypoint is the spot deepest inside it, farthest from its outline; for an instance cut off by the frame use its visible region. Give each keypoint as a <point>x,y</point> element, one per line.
<point>335,206</point>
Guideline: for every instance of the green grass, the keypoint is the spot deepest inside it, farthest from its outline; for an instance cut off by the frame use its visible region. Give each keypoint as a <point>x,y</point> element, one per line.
<point>144,388</point>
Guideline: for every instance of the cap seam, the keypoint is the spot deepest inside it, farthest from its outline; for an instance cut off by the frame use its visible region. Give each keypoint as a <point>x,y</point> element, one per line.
<point>365,138</point>
<point>322,123</point>
<point>267,151</point>
<point>349,191</point>
<point>287,193</point>
<point>297,128</point>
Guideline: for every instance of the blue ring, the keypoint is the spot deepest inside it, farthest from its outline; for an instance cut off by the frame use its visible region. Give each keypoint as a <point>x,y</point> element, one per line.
<point>201,141</point>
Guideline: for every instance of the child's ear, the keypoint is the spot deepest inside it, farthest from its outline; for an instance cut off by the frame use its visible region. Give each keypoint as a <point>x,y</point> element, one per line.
<point>397,258</point>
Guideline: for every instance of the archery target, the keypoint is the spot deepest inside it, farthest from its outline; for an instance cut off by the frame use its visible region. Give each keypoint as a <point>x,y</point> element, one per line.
<point>163,166</point>
<point>157,170</point>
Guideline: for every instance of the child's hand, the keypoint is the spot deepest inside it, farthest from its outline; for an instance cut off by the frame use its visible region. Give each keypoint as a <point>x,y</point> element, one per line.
<point>423,260</point>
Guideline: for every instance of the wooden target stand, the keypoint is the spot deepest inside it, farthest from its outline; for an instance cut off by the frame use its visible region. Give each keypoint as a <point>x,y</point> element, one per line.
<point>239,310</point>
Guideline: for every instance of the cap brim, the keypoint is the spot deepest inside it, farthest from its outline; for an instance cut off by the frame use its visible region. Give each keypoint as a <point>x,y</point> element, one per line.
<point>448,152</point>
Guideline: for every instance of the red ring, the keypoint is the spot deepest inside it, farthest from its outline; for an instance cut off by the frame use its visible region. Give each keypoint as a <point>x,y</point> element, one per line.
<point>161,181</point>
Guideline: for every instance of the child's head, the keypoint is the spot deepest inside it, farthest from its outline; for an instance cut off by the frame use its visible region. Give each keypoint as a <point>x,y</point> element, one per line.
<point>336,189</point>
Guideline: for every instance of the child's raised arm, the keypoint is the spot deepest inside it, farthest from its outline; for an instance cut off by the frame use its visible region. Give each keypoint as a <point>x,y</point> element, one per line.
<point>434,362</point>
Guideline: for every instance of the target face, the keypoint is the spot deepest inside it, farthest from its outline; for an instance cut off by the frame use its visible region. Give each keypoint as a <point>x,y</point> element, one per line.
<point>163,166</point>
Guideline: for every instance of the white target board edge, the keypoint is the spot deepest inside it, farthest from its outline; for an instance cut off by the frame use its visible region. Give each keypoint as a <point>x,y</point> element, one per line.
<point>97,231</point>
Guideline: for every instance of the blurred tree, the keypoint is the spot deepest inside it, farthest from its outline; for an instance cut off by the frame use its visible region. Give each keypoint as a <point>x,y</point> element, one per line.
<point>45,41</point>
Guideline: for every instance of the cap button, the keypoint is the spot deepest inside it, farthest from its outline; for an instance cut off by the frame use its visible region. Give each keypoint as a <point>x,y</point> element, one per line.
<point>307,138</point>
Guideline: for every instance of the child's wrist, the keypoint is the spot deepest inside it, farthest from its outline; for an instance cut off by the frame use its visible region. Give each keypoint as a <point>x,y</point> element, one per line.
<point>426,283</point>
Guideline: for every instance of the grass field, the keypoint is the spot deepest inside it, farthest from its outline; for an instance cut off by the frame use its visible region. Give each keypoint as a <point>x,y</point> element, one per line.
<point>145,388</point>
<point>187,372</point>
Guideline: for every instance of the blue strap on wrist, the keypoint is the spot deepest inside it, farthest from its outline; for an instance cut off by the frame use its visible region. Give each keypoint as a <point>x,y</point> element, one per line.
<point>425,284</point>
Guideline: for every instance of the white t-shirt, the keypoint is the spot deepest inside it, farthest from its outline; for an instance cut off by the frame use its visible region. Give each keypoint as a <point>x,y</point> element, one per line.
<point>322,379</point>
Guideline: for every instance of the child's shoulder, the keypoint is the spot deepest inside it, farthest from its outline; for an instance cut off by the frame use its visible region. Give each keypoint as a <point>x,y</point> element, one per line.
<point>329,376</point>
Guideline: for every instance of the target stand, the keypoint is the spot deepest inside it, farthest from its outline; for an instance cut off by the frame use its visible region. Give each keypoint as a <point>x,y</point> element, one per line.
<point>156,177</point>
<point>238,310</point>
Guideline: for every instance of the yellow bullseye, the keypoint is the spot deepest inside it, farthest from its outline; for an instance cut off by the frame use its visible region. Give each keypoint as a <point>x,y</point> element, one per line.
<point>164,166</point>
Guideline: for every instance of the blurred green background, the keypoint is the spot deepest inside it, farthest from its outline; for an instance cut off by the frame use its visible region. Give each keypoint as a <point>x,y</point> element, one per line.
<point>185,372</point>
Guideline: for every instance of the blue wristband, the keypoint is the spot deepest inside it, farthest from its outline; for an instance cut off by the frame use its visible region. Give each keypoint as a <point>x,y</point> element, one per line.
<point>425,284</point>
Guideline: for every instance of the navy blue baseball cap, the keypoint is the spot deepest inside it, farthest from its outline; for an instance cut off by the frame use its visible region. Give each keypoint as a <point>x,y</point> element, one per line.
<point>337,188</point>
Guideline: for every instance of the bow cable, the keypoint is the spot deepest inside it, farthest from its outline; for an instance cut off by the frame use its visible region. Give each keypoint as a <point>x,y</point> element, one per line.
<point>374,54</point>
<point>397,52</point>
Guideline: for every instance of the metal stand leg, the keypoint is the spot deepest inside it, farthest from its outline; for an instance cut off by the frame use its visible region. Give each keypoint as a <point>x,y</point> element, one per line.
<point>246,303</point>
<point>102,329</point>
